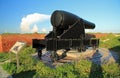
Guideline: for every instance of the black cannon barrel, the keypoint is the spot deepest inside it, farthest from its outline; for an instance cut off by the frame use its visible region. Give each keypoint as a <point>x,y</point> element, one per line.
<point>88,25</point>
<point>63,19</point>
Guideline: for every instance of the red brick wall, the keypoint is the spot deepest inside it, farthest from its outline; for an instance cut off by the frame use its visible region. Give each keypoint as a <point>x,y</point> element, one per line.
<point>99,35</point>
<point>7,41</point>
<point>0,43</point>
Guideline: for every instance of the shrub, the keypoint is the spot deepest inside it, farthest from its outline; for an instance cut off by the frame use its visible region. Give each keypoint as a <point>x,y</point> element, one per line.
<point>27,62</point>
<point>4,57</point>
<point>43,71</point>
<point>111,70</point>
<point>9,67</point>
<point>67,71</point>
<point>28,49</point>
<point>25,59</point>
<point>83,67</point>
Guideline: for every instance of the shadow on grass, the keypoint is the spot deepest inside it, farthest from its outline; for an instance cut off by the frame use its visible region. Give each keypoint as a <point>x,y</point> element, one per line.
<point>119,39</point>
<point>116,48</point>
<point>96,70</point>
<point>117,51</point>
<point>25,74</point>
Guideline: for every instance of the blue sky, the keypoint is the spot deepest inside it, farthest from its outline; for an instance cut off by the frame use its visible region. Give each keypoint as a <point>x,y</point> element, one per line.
<point>15,14</point>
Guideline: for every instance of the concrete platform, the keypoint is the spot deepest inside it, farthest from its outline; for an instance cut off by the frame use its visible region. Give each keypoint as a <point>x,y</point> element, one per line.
<point>101,56</point>
<point>79,55</point>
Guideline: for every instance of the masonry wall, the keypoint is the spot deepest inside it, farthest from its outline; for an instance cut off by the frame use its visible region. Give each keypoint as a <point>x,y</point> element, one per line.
<point>99,35</point>
<point>0,43</point>
<point>7,41</point>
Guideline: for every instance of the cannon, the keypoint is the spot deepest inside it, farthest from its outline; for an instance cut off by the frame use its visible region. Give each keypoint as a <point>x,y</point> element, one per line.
<point>68,33</point>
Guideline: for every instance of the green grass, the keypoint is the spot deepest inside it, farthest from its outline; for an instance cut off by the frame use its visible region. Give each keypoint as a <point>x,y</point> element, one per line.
<point>113,42</point>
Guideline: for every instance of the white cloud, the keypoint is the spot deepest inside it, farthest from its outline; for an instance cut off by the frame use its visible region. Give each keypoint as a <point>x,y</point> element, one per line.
<point>87,30</point>
<point>44,30</point>
<point>35,28</point>
<point>30,19</point>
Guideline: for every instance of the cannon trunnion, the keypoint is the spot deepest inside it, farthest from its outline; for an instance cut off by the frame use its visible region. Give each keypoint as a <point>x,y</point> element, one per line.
<point>68,33</point>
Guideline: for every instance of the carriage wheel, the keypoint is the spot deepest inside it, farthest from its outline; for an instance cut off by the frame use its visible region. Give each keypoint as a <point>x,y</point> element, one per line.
<point>39,54</point>
<point>54,56</point>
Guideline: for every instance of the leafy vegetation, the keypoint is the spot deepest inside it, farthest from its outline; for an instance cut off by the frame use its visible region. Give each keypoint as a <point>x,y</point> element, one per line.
<point>27,63</point>
<point>10,67</point>
<point>4,56</point>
